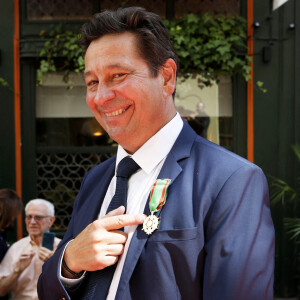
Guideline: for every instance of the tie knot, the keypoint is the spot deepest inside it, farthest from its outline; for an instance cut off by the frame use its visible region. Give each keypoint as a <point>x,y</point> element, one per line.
<point>127,167</point>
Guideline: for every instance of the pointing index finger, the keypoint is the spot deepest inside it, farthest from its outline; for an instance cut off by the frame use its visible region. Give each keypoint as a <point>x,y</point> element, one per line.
<point>117,222</point>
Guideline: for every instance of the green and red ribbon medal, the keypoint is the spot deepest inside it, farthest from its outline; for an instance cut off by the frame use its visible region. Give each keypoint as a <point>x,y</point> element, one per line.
<point>158,197</point>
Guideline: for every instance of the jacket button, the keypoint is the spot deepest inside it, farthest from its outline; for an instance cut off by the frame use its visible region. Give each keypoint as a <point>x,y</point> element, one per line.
<point>62,298</point>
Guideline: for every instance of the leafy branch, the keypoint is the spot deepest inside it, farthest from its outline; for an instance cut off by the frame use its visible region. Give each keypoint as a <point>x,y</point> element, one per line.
<point>5,84</point>
<point>207,45</point>
<point>292,226</point>
<point>211,45</point>
<point>61,52</point>
<point>282,192</point>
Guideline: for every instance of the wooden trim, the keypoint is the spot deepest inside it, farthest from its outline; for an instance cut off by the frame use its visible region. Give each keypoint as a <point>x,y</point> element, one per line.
<point>17,112</point>
<point>250,102</point>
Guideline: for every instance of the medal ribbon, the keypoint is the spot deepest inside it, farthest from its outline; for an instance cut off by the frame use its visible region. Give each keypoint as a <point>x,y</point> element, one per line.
<point>158,194</point>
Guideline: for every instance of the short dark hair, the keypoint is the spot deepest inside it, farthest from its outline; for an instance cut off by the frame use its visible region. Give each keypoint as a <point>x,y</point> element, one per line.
<point>10,206</point>
<point>153,41</point>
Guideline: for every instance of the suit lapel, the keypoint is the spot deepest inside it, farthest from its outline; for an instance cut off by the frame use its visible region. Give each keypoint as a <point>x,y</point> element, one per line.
<point>102,188</point>
<point>92,205</point>
<point>171,169</point>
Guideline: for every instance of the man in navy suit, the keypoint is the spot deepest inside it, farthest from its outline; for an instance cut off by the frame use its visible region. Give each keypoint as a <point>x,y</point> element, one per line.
<point>215,239</point>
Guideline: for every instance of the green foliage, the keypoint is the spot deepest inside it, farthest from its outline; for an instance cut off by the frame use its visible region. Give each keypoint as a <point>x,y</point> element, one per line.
<point>4,83</point>
<point>211,45</point>
<point>60,43</point>
<point>207,45</point>
<point>296,149</point>
<point>260,86</point>
<point>285,201</point>
<point>293,227</point>
<point>282,192</point>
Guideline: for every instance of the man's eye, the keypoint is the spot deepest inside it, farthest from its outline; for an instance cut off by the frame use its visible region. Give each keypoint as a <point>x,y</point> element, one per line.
<point>92,82</point>
<point>119,75</point>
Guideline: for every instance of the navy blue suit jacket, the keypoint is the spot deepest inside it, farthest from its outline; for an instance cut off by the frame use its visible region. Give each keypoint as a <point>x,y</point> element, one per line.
<point>215,239</point>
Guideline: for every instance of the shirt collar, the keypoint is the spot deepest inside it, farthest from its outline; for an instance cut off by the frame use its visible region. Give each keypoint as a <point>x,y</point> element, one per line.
<point>156,148</point>
<point>32,242</point>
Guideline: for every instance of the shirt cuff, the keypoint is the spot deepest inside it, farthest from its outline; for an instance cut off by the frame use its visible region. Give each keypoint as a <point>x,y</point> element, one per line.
<point>68,282</point>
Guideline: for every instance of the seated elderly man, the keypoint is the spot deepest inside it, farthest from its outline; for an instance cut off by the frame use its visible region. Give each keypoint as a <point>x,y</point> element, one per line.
<point>22,264</point>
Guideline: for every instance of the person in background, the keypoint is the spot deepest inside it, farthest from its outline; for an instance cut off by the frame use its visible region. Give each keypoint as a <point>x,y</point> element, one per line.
<point>199,121</point>
<point>22,264</point>
<point>10,207</point>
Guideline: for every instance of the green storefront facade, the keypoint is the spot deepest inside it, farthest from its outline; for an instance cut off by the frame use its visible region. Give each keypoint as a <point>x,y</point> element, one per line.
<point>276,115</point>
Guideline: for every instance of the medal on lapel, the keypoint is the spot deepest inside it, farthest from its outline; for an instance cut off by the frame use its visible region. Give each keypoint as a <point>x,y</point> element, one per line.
<point>158,197</point>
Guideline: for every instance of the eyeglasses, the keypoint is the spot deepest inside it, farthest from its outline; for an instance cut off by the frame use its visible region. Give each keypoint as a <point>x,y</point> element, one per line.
<point>36,218</point>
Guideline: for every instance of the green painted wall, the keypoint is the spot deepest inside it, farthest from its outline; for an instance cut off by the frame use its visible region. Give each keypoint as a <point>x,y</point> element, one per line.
<point>276,118</point>
<point>7,134</point>
<point>7,157</point>
<point>276,113</point>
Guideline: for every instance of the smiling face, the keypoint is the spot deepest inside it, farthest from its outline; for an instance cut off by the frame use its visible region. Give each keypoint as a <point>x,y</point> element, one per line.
<point>126,100</point>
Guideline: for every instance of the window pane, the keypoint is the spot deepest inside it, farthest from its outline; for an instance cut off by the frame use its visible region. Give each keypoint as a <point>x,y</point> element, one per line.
<point>63,117</point>
<point>207,109</point>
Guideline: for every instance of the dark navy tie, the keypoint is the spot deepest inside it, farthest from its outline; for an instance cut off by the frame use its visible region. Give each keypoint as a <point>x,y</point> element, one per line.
<point>126,168</point>
<point>97,283</point>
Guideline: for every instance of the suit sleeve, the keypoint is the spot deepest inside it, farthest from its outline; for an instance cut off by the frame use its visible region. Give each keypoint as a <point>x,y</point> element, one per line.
<point>239,235</point>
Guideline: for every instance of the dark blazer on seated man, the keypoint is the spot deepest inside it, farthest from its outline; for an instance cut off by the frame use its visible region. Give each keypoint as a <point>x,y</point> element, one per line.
<point>215,239</point>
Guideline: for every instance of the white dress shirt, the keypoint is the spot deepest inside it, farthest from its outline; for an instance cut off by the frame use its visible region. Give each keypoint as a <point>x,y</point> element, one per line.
<point>150,157</point>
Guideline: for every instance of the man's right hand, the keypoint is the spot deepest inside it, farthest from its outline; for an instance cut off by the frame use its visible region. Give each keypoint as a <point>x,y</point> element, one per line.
<point>100,243</point>
<point>24,261</point>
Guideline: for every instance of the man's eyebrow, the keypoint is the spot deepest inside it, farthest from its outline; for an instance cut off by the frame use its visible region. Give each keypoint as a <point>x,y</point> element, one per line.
<point>86,73</point>
<point>112,66</point>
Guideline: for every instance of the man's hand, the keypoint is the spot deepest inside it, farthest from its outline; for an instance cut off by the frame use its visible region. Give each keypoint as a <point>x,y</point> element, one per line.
<point>7,283</point>
<point>24,261</point>
<point>45,253</point>
<point>100,243</point>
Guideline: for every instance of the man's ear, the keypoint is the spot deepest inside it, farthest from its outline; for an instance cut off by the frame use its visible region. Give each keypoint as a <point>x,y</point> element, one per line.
<point>169,76</point>
<point>52,219</point>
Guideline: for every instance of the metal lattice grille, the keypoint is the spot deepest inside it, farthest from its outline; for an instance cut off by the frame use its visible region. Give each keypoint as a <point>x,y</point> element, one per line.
<point>59,10</point>
<point>226,7</point>
<point>59,176</point>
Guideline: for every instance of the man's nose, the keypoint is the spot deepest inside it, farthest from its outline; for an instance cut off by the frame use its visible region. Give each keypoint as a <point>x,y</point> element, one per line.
<point>33,220</point>
<point>103,94</point>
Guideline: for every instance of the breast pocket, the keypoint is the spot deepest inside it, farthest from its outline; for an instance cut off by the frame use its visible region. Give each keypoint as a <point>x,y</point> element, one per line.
<point>173,259</point>
<point>174,246</point>
<point>175,235</point>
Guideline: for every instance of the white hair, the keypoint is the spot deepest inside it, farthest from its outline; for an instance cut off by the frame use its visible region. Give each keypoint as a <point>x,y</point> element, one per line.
<point>49,205</point>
